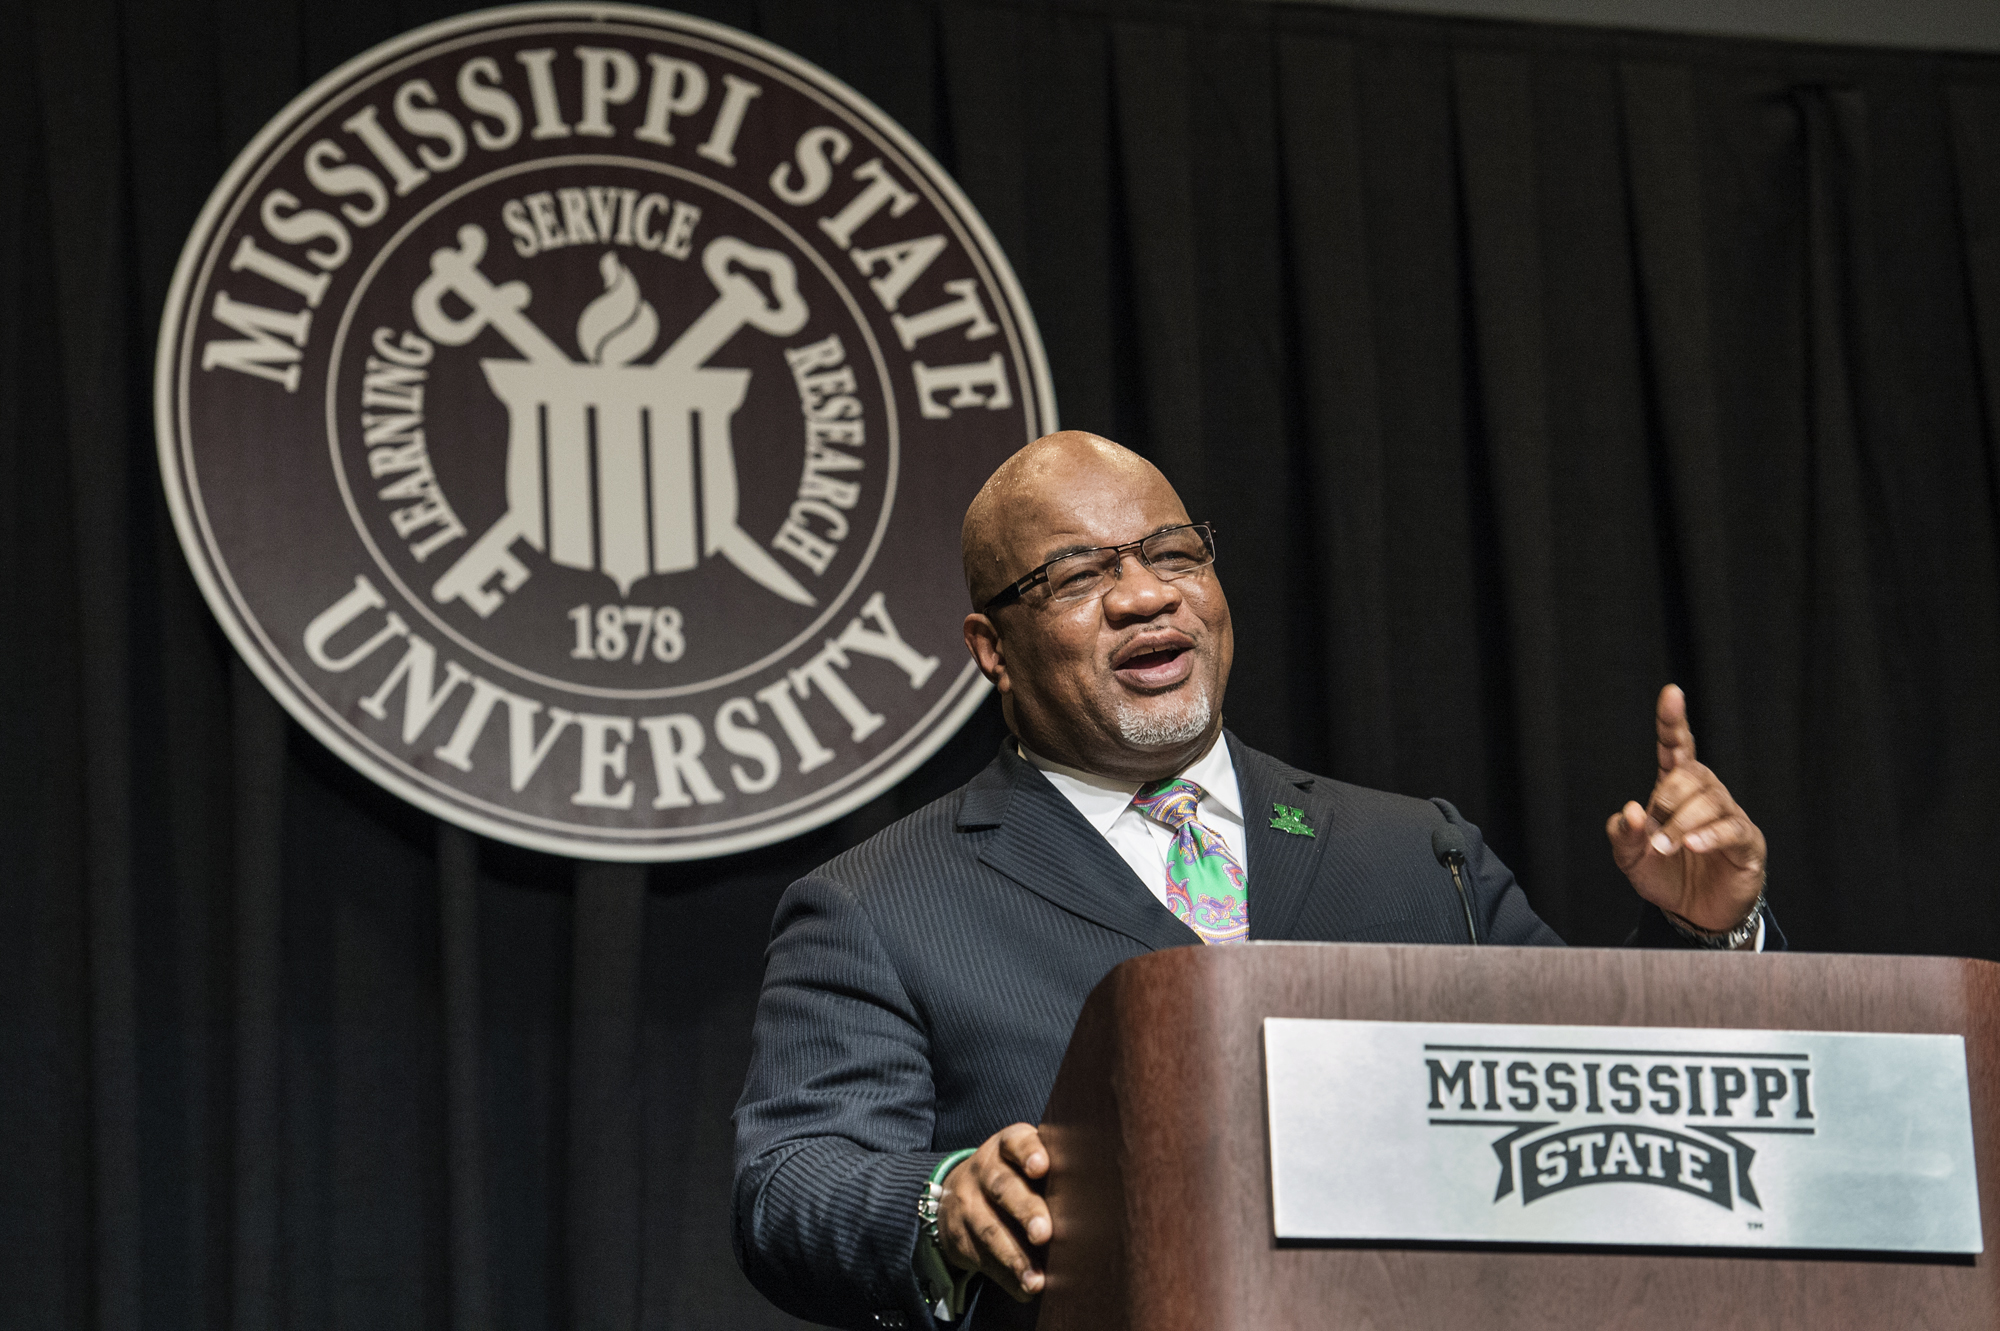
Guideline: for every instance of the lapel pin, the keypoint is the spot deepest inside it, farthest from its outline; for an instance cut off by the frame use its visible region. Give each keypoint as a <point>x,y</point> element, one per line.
<point>1290,820</point>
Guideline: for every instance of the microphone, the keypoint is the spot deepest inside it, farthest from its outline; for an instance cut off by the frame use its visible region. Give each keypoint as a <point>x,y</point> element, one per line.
<point>1448,844</point>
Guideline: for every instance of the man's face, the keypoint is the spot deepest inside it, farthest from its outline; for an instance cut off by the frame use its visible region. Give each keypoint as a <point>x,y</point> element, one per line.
<point>1128,684</point>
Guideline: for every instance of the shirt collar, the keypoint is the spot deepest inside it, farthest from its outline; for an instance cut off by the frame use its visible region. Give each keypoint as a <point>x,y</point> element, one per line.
<point>1215,773</point>
<point>1101,799</point>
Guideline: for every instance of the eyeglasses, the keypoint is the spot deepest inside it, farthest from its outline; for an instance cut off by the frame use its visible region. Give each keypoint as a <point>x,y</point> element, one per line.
<point>1082,574</point>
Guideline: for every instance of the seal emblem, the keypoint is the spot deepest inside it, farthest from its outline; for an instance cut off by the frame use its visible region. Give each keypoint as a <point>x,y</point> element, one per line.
<point>568,411</point>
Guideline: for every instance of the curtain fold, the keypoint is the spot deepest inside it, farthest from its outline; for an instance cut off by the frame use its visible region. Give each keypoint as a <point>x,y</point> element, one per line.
<point>1522,368</point>
<point>1150,140</point>
<point>1669,234</point>
<point>259,1017</point>
<point>465,1095</point>
<point>1507,344</point>
<point>1844,670</point>
<point>605,1223</point>
<point>1331,302</point>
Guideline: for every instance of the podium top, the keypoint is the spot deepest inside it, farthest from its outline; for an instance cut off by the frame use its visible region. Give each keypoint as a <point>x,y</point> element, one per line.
<point>1574,986</point>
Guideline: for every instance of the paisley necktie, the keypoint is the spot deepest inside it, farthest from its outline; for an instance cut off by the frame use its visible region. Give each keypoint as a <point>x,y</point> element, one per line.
<point>1205,886</point>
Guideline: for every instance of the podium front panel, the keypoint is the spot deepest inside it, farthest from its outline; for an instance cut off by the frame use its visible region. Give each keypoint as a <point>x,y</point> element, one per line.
<point>1161,1179</point>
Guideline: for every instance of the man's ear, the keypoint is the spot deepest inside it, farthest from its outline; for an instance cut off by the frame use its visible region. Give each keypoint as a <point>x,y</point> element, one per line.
<point>982,639</point>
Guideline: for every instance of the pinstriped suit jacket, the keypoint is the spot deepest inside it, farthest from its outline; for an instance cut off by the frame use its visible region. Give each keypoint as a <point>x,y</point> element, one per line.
<point>920,990</point>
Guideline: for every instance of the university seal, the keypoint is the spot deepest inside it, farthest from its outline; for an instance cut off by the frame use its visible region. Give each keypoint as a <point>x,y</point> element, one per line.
<point>568,411</point>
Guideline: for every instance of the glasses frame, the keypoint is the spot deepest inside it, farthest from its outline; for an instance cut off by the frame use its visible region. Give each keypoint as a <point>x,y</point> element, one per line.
<point>1034,577</point>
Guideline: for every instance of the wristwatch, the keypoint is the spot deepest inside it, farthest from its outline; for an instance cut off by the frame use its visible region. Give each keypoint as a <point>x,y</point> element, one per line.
<point>944,1288</point>
<point>1727,941</point>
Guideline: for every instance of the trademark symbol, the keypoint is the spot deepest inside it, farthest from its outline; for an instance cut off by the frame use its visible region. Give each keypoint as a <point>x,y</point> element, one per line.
<point>1755,1224</point>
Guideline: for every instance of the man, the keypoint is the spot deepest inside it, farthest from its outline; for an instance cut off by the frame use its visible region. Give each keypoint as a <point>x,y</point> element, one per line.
<point>921,988</point>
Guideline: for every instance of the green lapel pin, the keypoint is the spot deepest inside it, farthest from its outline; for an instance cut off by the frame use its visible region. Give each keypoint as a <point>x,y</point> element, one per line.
<point>1290,820</point>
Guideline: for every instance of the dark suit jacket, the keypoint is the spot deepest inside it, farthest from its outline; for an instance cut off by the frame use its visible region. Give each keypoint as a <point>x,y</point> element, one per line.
<point>920,991</point>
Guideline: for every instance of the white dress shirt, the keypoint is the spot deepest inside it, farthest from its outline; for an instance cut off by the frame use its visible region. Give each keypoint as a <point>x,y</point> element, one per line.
<point>1106,804</point>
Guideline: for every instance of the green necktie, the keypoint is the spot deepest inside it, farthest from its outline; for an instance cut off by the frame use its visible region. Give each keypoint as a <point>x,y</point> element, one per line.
<point>1205,881</point>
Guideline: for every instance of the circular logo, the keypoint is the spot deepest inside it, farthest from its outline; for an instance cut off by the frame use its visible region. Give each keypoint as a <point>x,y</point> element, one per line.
<point>568,410</point>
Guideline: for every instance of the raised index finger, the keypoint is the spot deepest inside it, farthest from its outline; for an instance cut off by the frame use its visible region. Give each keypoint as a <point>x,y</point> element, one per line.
<point>1674,740</point>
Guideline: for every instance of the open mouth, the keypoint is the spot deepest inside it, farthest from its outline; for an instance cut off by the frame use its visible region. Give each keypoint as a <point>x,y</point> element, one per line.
<point>1156,665</point>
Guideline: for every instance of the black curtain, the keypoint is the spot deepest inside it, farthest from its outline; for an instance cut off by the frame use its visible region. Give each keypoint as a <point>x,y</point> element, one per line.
<point>1522,369</point>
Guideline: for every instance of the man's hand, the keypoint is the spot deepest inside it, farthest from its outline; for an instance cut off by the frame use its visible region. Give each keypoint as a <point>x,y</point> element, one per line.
<point>1690,851</point>
<point>993,1211</point>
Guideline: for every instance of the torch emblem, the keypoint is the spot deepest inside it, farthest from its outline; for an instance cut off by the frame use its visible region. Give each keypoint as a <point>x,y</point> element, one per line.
<point>614,467</point>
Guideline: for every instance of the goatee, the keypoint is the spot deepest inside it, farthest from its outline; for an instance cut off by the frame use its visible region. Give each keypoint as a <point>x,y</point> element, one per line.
<point>1157,727</point>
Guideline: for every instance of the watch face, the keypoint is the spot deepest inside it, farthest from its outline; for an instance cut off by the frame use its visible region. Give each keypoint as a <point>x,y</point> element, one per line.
<point>569,411</point>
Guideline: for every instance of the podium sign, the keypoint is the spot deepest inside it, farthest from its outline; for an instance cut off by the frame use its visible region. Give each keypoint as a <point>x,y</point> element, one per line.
<point>1620,1135</point>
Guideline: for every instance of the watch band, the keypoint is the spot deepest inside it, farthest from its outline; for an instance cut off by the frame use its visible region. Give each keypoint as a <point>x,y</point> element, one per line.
<point>1727,940</point>
<point>933,1194</point>
<point>943,1287</point>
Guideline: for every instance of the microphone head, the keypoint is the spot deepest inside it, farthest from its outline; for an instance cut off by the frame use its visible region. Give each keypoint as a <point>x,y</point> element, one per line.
<point>1448,844</point>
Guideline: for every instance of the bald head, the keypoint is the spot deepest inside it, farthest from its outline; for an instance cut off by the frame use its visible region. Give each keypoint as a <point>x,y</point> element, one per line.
<point>1017,502</point>
<point>1124,680</point>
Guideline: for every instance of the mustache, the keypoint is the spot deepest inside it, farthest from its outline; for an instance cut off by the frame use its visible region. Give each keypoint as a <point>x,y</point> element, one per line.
<point>1151,639</point>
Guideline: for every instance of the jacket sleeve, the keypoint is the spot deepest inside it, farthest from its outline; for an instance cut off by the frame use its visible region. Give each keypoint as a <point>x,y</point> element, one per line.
<point>1501,907</point>
<point>833,1131</point>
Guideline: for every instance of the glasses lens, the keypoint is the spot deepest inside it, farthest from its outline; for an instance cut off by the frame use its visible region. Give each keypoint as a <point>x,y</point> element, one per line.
<point>1081,575</point>
<point>1173,553</point>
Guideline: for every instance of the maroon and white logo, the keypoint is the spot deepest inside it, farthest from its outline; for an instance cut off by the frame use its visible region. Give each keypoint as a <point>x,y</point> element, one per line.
<point>569,410</point>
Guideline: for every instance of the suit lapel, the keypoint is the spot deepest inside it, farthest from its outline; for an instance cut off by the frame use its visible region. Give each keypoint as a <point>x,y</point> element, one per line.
<point>1283,866</point>
<point>1043,843</point>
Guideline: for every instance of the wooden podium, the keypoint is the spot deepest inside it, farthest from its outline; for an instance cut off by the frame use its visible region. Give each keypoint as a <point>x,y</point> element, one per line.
<point>1160,1183</point>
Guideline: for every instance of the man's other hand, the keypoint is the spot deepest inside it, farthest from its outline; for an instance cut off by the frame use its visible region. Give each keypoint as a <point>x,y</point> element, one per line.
<point>1689,850</point>
<point>993,1213</point>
